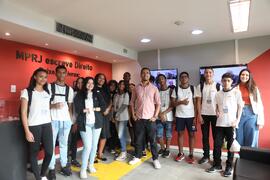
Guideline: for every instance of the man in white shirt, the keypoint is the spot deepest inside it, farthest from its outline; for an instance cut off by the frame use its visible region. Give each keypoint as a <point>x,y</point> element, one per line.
<point>229,106</point>
<point>184,101</point>
<point>61,112</point>
<point>206,110</point>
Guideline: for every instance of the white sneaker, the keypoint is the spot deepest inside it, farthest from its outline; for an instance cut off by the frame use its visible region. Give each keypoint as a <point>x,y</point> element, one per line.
<point>91,169</point>
<point>156,163</point>
<point>83,174</point>
<point>134,161</point>
<point>122,156</point>
<point>44,178</point>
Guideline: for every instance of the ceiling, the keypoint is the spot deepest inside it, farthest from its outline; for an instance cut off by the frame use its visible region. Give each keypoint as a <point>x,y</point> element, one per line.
<point>127,21</point>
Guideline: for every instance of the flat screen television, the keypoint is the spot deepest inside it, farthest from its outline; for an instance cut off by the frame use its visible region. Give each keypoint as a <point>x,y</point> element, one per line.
<point>222,69</point>
<point>171,75</point>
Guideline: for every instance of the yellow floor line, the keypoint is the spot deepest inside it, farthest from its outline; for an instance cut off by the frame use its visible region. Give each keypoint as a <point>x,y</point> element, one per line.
<point>114,170</point>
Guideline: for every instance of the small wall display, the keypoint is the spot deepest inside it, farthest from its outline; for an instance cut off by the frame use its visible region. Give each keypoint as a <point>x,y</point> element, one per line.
<point>171,75</point>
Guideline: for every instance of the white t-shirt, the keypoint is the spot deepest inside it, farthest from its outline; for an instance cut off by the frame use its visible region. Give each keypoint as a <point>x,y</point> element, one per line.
<point>208,94</point>
<point>63,113</point>
<point>90,117</point>
<point>227,103</point>
<point>184,111</point>
<point>118,100</point>
<point>39,112</point>
<point>165,98</point>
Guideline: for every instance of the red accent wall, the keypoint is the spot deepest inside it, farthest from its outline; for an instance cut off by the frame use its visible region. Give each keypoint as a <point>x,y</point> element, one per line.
<point>18,71</point>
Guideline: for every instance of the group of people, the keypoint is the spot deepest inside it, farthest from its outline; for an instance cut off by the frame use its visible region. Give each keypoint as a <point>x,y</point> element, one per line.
<point>102,113</point>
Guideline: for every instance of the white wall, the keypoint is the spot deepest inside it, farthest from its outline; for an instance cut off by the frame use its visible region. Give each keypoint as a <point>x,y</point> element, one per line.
<point>133,67</point>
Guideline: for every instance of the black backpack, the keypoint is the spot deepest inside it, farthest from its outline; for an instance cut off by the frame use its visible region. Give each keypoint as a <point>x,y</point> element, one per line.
<point>191,88</point>
<point>53,92</point>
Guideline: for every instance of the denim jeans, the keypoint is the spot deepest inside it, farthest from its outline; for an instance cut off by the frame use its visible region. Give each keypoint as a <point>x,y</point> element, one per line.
<point>247,133</point>
<point>90,139</point>
<point>62,129</point>
<point>122,134</point>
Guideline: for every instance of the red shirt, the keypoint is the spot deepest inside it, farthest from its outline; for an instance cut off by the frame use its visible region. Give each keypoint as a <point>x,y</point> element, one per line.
<point>245,94</point>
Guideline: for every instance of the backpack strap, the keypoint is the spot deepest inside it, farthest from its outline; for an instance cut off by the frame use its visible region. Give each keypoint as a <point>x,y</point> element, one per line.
<point>192,90</point>
<point>217,86</point>
<point>67,92</point>
<point>176,92</point>
<point>53,91</point>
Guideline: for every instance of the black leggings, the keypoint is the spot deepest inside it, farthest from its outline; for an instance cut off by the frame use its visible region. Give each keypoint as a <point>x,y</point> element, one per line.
<point>42,134</point>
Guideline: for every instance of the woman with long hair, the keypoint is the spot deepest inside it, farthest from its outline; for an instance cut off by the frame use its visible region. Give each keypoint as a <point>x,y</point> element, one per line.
<point>252,118</point>
<point>74,133</point>
<point>121,116</point>
<point>102,87</point>
<point>89,106</point>
<point>36,119</point>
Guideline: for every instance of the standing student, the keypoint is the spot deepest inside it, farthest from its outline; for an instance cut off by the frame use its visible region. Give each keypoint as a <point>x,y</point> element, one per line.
<point>89,106</point>
<point>121,116</point>
<point>206,110</point>
<point>165,116</point>
<point>252,118</point>
<point>113,142</point>
<point>36,119</point>
<point>61,112</point>
<point>101,86</point>
<point>145,106</point>
<point>228,110</point>
<point>183,99</point>
<point>74,133</point>
<point>126,78</point>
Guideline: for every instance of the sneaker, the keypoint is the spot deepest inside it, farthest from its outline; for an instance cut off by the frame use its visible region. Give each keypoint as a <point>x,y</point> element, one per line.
<point>227,172</point>
<point>156,163</point>
<point>75,163</point>
<point>66,171</point>
<point>134,161</point>
<point>51,175</point>
<point>112,151</point>
<point>214,169</point>
<point>122,156</point>
<point>44,178</point>
<point>166,154</point>
<point>83,174</point>
<point>161,152</point>
<point>190,159</point>
<point>102,158</point>
<point>144,154</point>
<point>203,160</point>
<point>180,157</point>
<point>91,169</point>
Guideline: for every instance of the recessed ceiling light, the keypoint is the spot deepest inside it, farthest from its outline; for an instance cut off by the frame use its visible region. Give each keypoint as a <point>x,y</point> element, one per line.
<point>145,40</point>
<point>96,56</point>
<point>46,44</point>
<point>7,34</point>
<point>197,32</point>
<point>239,10</point>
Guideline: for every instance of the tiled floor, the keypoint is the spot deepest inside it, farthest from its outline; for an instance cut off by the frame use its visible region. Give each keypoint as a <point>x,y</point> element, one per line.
<point>171,170</point>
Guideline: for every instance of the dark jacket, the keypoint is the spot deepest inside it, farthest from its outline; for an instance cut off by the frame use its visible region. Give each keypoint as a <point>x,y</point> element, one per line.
<point>79,104</point>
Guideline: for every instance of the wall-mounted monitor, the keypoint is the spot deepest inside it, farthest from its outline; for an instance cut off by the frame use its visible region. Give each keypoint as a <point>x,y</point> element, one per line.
<point>222,69</point>
<point>171,75</point>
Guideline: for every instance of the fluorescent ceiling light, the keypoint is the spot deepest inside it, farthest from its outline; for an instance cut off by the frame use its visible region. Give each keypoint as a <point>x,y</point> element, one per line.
<point>145,40</point>
<point>7,34</point>
<point>46,44</point>
<point>239,10</point>
<point>197,32</point>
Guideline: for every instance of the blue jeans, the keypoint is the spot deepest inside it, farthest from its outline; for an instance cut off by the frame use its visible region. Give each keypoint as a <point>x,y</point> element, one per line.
<point>62,129</point>
<point>90,139</point>
<point>167,125</point>
<point>247,133</point>
<point>122,134</point>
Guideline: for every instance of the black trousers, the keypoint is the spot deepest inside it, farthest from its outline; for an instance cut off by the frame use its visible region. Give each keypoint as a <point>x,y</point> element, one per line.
<point>113,142</point>
<point>72,143</point>
<point>144,128</point>
<point>221,133</point>
<point>205,127</point>
<point>42,134</point>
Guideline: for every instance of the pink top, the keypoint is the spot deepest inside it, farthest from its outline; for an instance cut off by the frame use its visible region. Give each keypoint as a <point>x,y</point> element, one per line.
<point>144,99</point>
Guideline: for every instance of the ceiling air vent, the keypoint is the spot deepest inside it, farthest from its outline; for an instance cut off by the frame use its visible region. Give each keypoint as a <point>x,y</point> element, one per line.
<point>125,51</point>
<point>67,30</point>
